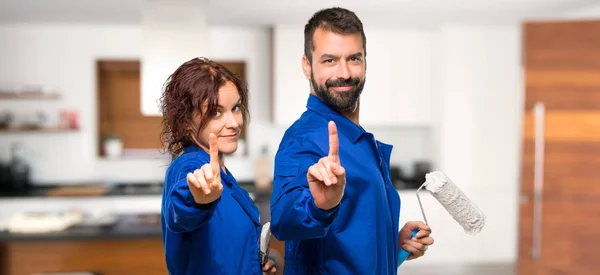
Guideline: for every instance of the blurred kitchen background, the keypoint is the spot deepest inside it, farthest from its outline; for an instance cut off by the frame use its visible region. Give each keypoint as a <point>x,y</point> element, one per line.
<point>451,84</point>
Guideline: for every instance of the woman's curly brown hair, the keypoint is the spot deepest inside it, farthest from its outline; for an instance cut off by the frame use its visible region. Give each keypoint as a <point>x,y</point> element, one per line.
<point>193,83</point>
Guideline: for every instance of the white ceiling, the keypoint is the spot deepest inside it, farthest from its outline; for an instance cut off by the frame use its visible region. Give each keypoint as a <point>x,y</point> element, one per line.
<point>264,12</point>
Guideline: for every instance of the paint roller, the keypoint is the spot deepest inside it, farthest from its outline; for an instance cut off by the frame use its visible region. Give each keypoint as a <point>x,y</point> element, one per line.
<point>463,210</point>
<point>265,241</point>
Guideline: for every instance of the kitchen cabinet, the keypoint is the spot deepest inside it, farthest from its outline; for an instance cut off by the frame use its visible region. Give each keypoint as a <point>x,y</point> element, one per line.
<point>36,125</point>
<point>99,256</point>
<point>398,87</point>
<point>131,246</point>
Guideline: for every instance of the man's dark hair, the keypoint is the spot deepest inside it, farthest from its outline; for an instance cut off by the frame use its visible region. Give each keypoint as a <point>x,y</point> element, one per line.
<point>337,20</point>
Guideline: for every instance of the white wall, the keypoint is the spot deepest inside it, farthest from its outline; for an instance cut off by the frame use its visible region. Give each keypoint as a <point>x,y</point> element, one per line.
<point>473,138</point>
<point>478,99</point>
<point>479,94</point>
<point>587,12</point>
<point>62,56</point>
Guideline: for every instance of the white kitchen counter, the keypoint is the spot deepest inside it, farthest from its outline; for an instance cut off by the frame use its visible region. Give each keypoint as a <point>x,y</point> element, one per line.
<point>452,244</point>
<point>115,204</point>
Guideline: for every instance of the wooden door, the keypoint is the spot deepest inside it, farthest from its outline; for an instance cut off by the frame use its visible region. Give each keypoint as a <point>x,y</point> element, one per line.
<point>559,230</point>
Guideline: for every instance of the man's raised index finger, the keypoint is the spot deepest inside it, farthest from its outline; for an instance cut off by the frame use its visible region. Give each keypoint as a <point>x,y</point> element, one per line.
<point>333,141</point>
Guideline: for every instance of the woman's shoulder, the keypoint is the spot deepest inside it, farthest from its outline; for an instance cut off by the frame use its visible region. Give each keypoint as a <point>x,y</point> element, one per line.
<point>187,162</point>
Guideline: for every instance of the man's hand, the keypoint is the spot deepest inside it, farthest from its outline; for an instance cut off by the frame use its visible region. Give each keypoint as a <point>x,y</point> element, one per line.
<point>417,245</point>
<point>327,178</point>
<point>269,268</point>
<point>205,183</point>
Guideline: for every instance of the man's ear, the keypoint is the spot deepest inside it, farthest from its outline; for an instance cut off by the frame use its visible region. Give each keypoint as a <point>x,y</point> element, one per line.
<point>306,67</point>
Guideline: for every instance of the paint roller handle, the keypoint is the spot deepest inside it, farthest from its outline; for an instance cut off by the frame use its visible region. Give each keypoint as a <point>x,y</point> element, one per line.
<point>403,254</point>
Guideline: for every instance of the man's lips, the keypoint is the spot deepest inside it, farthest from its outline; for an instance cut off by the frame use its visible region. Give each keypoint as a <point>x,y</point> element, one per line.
<point>342,88</point>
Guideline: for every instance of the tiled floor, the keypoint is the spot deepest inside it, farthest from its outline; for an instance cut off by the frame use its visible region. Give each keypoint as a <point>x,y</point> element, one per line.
<point>492,269</point>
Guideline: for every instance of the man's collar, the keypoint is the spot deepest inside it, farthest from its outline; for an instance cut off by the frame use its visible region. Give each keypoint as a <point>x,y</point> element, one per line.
<point>349,128</point>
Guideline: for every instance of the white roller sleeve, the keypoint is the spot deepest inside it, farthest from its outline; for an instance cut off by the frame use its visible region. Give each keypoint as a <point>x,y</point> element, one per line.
<point>463,210</point>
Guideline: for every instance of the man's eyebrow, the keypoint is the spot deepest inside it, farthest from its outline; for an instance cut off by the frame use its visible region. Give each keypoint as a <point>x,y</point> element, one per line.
<point>329,56</point>
<point>359,54</point>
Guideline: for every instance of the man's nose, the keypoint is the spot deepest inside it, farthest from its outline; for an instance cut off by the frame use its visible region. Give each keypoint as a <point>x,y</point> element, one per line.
<point>343,71</point>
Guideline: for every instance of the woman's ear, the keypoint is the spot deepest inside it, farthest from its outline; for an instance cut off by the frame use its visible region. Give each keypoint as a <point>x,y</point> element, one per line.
<point>191,131</point>
<point>192,134</point>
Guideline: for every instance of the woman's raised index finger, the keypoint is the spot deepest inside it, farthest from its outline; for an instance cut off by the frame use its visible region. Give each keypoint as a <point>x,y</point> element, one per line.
<point>214,152</point>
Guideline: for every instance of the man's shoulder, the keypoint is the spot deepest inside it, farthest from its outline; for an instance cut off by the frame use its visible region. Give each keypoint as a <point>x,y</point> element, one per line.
<point>308,134</point>
<point>309,126</point>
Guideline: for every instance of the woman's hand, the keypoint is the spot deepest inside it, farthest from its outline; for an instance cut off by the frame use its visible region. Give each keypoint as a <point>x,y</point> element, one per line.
<point>205,183</point>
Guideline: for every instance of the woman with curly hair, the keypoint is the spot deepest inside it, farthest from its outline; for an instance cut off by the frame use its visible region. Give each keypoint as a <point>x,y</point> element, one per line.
<point>210,224</point>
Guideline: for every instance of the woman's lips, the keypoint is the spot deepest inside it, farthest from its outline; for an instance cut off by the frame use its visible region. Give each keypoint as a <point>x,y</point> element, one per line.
<point>232,136</point>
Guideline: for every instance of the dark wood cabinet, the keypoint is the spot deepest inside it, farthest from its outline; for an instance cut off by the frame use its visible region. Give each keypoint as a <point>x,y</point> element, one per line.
<point>99,256</point>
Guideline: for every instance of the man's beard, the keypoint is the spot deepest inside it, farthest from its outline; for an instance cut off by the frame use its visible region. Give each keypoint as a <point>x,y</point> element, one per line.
<point>341,101</point>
